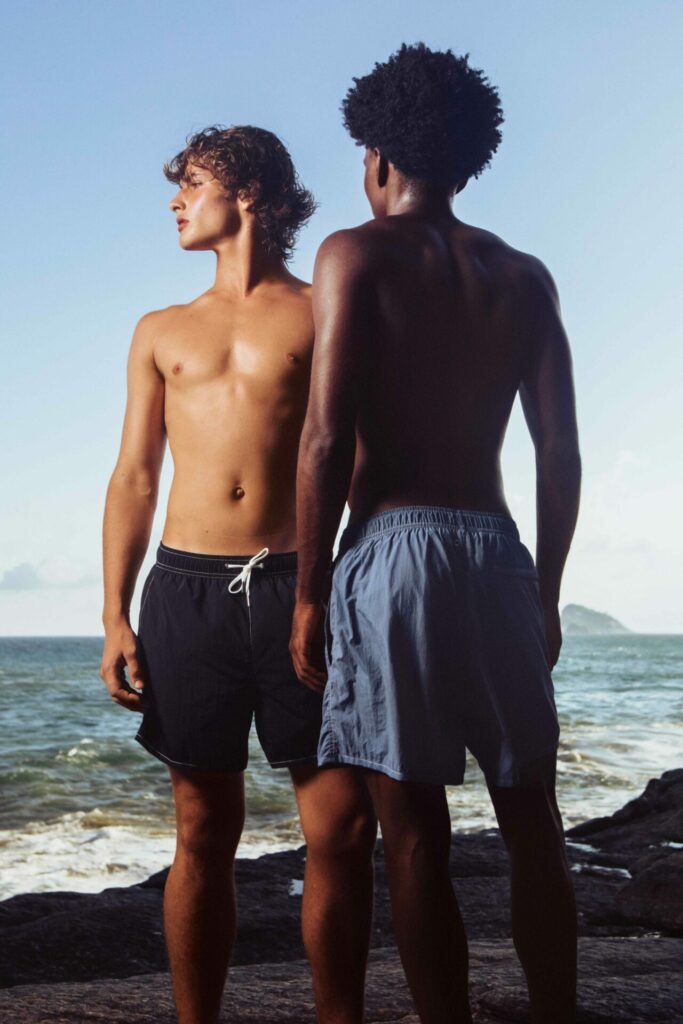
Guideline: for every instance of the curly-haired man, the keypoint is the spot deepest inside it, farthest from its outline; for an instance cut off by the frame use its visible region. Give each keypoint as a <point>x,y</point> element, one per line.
<point>225,378</point>
<point>441,630</point>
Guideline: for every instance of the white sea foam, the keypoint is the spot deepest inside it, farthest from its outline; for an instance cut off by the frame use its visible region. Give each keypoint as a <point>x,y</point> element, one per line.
<point>76,854</point>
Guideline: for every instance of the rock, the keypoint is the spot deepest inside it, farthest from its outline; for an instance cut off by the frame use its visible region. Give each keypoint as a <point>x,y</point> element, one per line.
<point>68,957</point>
<point>654,817</point>
<point>582,621</point>
<point>621,981</point>
<point>655,895</point>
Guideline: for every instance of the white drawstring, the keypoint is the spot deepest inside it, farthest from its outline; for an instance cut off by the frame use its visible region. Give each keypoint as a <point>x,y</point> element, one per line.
<point>244,577</point>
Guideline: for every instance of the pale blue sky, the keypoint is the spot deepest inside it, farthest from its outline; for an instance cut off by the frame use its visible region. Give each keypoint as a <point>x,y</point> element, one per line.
<point>96,95</point>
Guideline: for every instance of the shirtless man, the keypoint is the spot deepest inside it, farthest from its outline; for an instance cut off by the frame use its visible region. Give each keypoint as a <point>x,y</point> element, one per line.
<point>226,378</point>
<point>441,631</point>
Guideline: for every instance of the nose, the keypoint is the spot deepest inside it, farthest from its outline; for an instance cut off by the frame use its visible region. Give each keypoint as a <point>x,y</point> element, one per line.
<point>176,203</point>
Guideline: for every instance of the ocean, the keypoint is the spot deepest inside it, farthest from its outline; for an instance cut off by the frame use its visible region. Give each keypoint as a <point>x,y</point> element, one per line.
<point>83,807</point>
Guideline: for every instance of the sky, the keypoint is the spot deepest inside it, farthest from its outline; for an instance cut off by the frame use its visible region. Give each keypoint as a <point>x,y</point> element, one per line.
<point>97,95</point>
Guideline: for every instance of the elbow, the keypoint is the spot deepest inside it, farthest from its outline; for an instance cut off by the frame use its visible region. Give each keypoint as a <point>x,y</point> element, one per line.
<point>561,448</point>
<point>320,447</point>
<point>135,483</point>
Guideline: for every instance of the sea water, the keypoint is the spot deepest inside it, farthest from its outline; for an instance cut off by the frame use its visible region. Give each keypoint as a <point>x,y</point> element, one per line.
<point>83,807</point>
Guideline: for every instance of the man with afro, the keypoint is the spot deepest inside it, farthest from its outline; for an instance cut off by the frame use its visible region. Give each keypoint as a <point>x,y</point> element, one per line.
<point>441,630</point>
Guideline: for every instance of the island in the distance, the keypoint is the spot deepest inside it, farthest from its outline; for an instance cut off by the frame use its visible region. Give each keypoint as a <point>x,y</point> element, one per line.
<point>584,621</point>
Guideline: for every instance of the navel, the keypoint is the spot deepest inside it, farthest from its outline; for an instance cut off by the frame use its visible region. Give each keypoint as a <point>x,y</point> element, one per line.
<point>177,368</point>
<point>238,492</point>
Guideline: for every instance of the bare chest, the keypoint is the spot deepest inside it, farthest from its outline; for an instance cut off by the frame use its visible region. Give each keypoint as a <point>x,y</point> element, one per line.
<point>260,360</point>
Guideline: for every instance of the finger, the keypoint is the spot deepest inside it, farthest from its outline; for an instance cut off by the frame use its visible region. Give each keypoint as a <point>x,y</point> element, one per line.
<point>312,684</point>
<point>135,670</point>
<point>312,677</point>
<point>128,700</point>
<point>113,676</point>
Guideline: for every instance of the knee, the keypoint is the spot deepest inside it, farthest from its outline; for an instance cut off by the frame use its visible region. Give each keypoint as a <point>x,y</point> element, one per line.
<point>208,837</point>
<point>536,834</point>
<point>348,837</point>
<point>408,850</point>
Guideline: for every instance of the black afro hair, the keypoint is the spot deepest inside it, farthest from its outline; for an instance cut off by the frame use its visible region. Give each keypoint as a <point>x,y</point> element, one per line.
<point>429,113</point>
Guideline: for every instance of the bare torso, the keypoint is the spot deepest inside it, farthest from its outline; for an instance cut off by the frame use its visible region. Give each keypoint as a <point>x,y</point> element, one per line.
<point>236,376</point>
<point>448,337</point>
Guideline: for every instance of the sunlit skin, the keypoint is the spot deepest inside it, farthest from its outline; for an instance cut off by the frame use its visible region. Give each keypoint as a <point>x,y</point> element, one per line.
<point>225,379</point>
<point>426,330</point>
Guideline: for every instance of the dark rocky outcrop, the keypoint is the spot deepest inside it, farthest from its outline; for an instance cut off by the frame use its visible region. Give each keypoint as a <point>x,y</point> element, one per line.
<point>69,957</point>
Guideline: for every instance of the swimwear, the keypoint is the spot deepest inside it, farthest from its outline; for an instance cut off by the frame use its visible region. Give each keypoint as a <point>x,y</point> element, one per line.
<point>214,640</point>
<point>435,644</point>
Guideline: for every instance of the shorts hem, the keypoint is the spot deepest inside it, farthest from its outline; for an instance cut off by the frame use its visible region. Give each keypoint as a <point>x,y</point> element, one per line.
<point>329,760</point>
<point>519,777</point>
<point>292,760</point>
<point>183,764</point>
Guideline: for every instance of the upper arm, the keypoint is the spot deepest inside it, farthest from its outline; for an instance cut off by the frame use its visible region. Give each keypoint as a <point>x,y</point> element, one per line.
<point>341,314</point>
<point>547,384</point>
<point>143,437</point>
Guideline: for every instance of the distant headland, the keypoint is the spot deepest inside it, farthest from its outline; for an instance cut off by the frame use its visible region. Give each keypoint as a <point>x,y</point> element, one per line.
<point>584,621</point>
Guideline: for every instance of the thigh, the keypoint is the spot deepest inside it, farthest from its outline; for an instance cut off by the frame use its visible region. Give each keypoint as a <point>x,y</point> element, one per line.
<point>288,714</point>
<point>527,815</point>
<point>410,812</point>
<point>194,643</point>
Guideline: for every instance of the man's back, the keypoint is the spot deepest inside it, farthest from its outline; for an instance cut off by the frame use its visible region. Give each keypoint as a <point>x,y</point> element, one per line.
<point>450,333</point>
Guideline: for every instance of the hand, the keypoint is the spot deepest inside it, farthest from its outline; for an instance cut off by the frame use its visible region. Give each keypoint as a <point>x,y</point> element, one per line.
<point>121,651</point>
<point>553,632</point>
<point>307,645</point>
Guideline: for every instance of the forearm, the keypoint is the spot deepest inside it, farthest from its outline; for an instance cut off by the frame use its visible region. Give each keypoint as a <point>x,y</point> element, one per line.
<point>558,487</point>
<point>323,480</point>
<point>128,517</point>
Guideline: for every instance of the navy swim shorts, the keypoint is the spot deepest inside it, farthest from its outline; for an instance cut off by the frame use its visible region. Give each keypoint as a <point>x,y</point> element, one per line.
<point>436,644</point>
<point>214,635</point>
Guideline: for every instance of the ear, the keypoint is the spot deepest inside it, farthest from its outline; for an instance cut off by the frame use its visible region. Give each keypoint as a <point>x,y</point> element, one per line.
<point>382,170</point>
<point>250,194</point>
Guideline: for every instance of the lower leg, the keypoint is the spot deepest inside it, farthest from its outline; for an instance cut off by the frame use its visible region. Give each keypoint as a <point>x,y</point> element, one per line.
<point>429,930</point>
<point>340,831</point>
<point>544,920</point>
<point>199,899</point>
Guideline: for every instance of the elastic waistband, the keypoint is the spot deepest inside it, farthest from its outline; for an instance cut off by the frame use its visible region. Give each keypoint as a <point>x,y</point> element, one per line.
<point>217,565</point>
<point>413,516</point>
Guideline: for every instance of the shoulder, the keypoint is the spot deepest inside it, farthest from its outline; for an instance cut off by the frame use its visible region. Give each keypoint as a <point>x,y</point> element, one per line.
<point>151,327</point>
<point>523,275</point>
<point>521,268</point>
<point>349,248</point>
<point>151,323</point>
<point>296,289</point>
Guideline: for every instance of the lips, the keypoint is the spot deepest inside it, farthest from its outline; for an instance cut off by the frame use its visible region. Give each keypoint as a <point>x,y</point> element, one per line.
<point>181,224</point>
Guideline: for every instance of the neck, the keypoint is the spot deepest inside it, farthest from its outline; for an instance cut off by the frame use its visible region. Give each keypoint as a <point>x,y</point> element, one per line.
<point>242,263</point>
<point>405,200</point>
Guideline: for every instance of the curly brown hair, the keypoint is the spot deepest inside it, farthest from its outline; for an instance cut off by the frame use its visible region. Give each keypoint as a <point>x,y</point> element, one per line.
<point>241,157</point>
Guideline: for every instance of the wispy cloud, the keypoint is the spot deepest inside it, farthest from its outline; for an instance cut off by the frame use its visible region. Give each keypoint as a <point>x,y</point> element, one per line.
<point>49,575</point>
<point>21,577</point>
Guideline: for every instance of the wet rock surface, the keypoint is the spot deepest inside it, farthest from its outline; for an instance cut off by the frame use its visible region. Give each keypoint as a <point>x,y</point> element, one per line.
<point>72,957</point>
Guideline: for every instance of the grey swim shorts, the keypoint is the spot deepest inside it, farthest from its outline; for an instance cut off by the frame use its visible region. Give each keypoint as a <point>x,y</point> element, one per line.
<point>436,643</point>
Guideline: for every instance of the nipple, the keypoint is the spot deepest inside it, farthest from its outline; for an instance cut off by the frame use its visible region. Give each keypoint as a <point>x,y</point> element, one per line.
<point>238,492</point>
<point>293,358</point>
<point>177,368</point>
